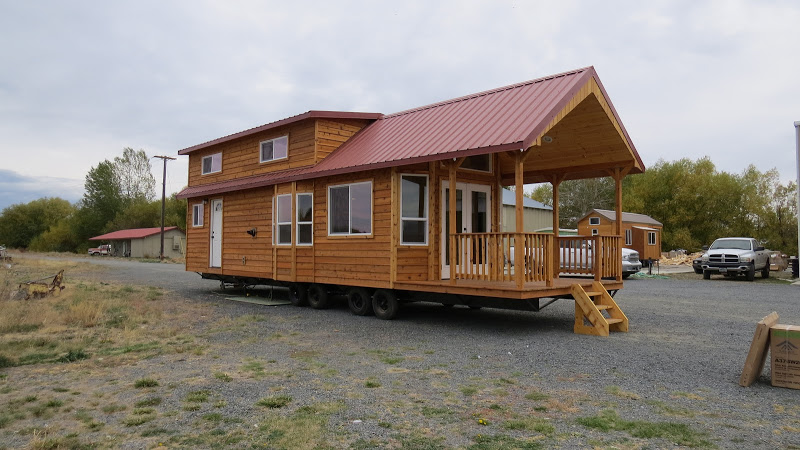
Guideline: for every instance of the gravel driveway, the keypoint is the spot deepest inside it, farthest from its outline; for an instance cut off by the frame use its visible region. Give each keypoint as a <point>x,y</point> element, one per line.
<point>680,362</point>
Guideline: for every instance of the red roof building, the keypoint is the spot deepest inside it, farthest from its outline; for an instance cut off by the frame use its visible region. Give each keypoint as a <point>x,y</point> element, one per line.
<point>145,242</point>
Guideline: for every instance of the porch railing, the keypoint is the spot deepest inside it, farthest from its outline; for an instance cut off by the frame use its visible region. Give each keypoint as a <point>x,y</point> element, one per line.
<point>494,257</point>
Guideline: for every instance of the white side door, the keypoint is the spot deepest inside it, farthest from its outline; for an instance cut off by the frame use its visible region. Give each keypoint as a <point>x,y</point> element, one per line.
<point>215,258</point>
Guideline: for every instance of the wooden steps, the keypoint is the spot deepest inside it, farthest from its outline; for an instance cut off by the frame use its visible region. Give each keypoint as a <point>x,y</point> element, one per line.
<point>589,307</point>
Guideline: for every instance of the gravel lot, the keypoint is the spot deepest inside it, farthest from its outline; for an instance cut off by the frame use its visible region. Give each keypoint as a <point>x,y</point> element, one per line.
<point>680,362</point>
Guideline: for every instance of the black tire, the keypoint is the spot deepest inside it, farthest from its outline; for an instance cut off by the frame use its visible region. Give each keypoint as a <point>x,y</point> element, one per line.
<point>698,271</point>
<point>318,296</point>
<point>751,273</point>
<point>360,301</point>
<point>765,271</point>
<point>298,294</point>
<point>625,276</point>
<point>385,304</point>
<point>706,275</point>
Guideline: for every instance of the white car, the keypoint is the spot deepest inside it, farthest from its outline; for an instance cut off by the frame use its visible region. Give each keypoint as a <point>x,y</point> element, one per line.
<point>630,259</point>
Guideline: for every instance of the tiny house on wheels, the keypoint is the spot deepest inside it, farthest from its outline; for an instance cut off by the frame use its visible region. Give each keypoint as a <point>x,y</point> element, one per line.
<point>408,206</point>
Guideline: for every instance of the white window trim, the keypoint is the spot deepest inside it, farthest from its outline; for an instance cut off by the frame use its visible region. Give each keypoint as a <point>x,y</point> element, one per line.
<point>628,237</point>
<point>297,219</point>
<point>653,235</point>
<point>595,232</point>
<point>261,155</point>
<point>350,211</point>
<point>197,215</point>
<point>202,163</point>
<point>415,219</point>
<point>276,225</point>
<point>594,221</point>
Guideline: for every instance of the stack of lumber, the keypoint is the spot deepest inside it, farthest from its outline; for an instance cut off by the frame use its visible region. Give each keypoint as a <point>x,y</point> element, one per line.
<point>680,259</point>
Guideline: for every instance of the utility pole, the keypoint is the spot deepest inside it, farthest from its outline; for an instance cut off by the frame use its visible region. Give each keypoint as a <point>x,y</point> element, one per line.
<point>163,198</point>
<point>797,132</point>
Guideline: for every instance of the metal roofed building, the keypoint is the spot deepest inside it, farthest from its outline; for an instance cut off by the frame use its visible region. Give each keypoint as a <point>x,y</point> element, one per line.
<point>145,242</point>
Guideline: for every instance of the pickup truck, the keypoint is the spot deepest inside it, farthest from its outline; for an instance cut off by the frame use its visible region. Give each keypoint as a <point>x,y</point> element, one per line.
<point>735,256</point>
<point>103,250</point>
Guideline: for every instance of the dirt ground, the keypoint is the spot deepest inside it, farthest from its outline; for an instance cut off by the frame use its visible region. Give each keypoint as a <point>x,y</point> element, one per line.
<point>138,355</point>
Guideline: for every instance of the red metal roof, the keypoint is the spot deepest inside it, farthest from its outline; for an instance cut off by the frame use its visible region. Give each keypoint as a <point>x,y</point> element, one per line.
<point>507,118</point>
<point>307,115</point>
<point>133,233</point>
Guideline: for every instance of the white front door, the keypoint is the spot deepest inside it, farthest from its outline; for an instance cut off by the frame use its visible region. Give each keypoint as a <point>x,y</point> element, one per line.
<point>473,215</point>
<point>215,258</point>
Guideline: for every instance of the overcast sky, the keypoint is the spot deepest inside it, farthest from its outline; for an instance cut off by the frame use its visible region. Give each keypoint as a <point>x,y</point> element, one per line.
<point>81,80</point>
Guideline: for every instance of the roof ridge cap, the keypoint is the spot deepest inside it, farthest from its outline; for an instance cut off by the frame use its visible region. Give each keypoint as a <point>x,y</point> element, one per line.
<point>485,93</point>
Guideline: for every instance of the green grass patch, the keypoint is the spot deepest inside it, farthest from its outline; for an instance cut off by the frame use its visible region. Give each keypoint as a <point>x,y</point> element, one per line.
<point>112,408</point>
<point>372,384</point>
<point>197,396</point>
<point>278,401</point>
<point>213,417</point>
<point>223,377</point>
<point>392,360</point>
<point>536,424</point>
<point>138,419</point>
<point>501,441</point>
<point>678,433</point>
<point>145,383</point>
<point>151,401</point>
<point>468,391</point>
<point>74,355</point>
<point>256,368</point>
<point>536,396</point>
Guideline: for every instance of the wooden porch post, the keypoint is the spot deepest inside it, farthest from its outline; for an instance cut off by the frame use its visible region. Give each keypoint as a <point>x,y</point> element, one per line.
<point>556,181</point>
<point>519,241</point>
<point>618,174</point>
<point>451,232</point>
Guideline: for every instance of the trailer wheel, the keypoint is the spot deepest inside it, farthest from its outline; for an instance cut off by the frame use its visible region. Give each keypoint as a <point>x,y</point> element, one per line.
<point>298,294</point>
<point>359,301</point>
<point>317,296</point>
<point>765,271</point>
<point>385,304</point>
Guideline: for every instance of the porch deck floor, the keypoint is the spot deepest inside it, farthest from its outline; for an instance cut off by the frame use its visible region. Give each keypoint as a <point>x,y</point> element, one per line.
<point>504,289</point>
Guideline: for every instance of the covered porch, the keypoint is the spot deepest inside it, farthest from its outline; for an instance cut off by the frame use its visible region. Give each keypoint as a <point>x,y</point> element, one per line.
<point>583,140</point>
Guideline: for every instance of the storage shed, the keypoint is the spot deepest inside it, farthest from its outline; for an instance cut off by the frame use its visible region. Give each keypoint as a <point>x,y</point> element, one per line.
<point>642,232</point>
<point>145,242</point>
<point>537,214</point>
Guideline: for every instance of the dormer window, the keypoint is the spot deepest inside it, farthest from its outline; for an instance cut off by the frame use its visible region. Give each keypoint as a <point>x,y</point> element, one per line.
<point>274,149</point>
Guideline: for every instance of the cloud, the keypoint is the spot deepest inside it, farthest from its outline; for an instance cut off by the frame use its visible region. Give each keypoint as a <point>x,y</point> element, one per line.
<point>16,188</point>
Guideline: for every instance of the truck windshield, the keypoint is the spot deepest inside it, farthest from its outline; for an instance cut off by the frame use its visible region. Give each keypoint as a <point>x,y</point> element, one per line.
<point>737,244</point>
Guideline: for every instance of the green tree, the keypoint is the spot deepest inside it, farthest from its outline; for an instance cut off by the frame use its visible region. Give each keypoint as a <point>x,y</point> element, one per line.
<point>134,176</point>
<point>576,198</point>
<point>21,223</point>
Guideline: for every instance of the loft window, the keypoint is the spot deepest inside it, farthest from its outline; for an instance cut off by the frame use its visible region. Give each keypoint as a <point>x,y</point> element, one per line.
<point>414,210</point>
<point>282,232</point>
<point>482,163</point>
<point>305,219</point>
<point>595,232</point>
<point>628,237</point>
<point>197,215</point>
<point>651,237</point>
<point>350,209</point>
<point>212,163</point>
<point>594,221</point>
<point>274,149</point>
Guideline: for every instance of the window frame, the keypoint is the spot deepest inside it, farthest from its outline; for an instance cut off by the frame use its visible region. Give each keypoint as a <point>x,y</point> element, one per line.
<point>595,231</point>
<point>331,233</point>
<point>628,237</point>
<point>491,165</point>
<point>211,156</point>
<point>594,221</point>
<point>198,212</point>
<point>653,235</point>
<point>261,159</point>
<point>276,223</point>
<point>298,222</point>
<point>424,219</point>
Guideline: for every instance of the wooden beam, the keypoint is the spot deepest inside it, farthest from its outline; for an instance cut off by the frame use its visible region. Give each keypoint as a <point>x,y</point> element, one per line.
<point>293,274</point>
<point>272,233</point>
<point>519,211</point>
<point>395,204</point>
<point>451,182</point>
<point>432,220</point>
<point>556,181</point>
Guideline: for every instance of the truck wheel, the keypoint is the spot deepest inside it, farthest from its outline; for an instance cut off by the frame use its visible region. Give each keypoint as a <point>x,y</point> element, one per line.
<point>765,271</point>
<point>318,296</point>
<point>298,294</point>
<point>359,301</point>
<point>751,273</point>
<point>706,275</point>
<point>385,304</point>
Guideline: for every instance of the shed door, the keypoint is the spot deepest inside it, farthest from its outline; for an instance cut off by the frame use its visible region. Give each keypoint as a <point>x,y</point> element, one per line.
<point>215,258</point>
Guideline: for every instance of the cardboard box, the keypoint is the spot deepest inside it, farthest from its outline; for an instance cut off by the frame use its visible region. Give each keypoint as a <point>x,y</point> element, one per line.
<point>785,350</point>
